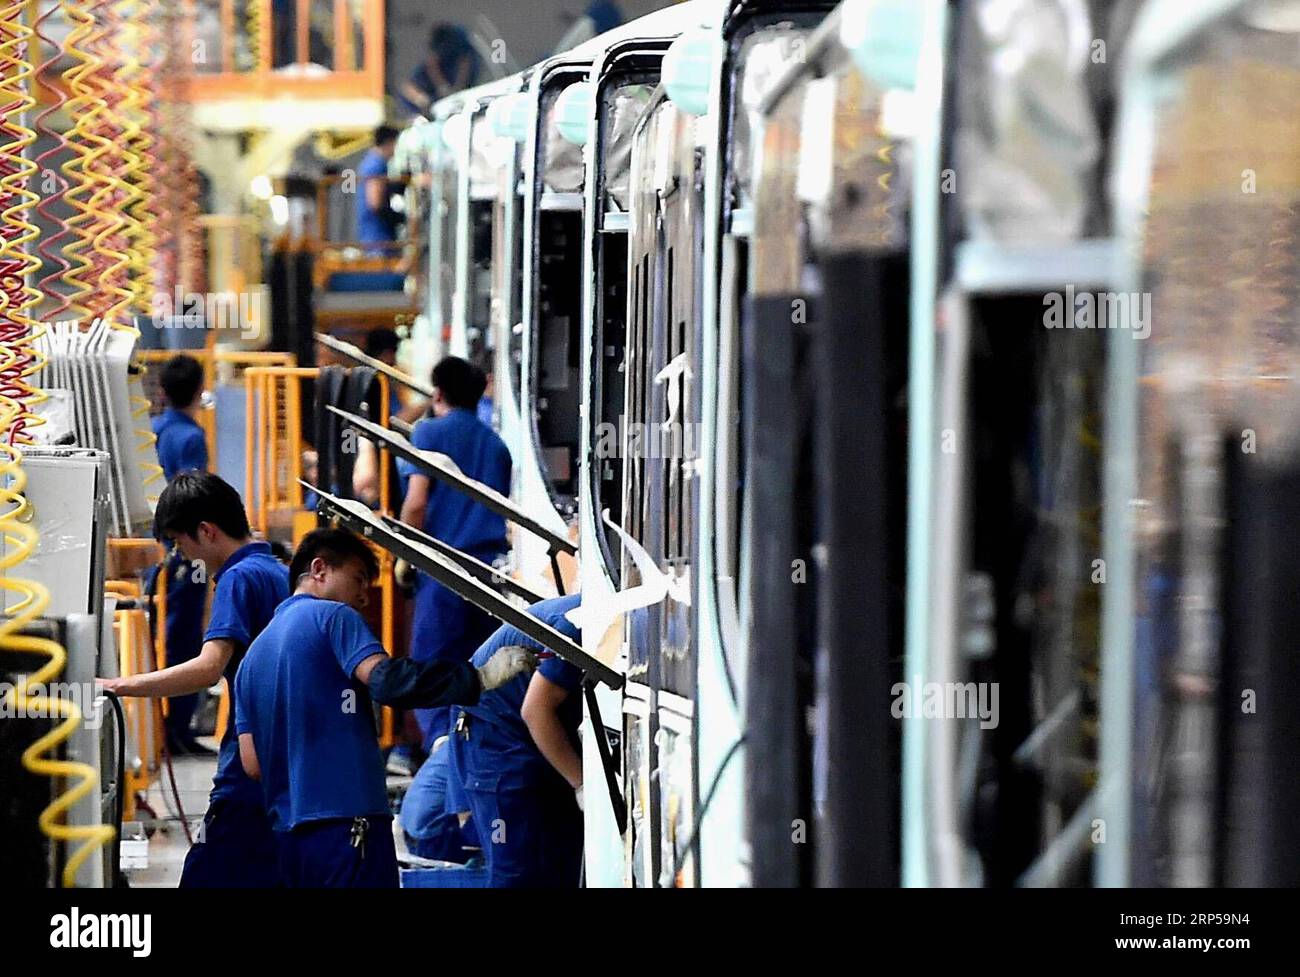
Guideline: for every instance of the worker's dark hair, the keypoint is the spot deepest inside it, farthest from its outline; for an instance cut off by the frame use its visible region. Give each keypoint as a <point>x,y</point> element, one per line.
<point>181,379</point>
<point>380,341</point>
<point>605,16</point>
<point>462,384</point>
<point>335,547</point>
<point>194,497</point>
<point>385,134</point>
<point>447,39</point>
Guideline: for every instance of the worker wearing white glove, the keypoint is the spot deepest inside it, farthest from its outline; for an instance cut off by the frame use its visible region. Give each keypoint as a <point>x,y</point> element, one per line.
<point>505,664</point>
<point>516,752</point>
<point>404,574</point>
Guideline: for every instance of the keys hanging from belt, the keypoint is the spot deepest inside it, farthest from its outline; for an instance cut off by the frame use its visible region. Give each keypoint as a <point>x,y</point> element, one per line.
<point>462,725</point>
<point>358,836</point>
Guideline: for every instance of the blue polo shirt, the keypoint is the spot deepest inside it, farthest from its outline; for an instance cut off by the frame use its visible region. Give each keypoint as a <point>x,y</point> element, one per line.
<point>452,516</point>
<point>181,444</point>
<point>250,586</point>
<point>372,226</point>
<point>310,720</point>
<point>502,708</point>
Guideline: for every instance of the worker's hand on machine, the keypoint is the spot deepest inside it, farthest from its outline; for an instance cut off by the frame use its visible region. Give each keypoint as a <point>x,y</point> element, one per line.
<point>404,574</point>
<point>507,663</point>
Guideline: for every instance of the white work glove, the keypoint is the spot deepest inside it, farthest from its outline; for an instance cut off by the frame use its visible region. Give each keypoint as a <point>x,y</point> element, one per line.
<point>577,796</point>
<point>505,664</point>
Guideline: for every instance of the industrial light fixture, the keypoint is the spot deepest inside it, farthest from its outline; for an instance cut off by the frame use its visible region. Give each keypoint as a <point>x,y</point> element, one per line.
<point>510,115</point>
<point>688,72</point>
<point>574,110</point>
<point>455,132</point>
<point>884,38</point>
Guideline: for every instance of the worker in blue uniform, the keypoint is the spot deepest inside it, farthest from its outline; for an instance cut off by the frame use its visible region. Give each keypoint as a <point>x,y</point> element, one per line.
<point>451,63</point>
<point>205,518</point>
<point>182,446</point>
<point>516,755</point>
<point>377,222</point>
<point>486,410</point>
<point>445,627</point>
<point>306,725</point>
<point>431,817</point>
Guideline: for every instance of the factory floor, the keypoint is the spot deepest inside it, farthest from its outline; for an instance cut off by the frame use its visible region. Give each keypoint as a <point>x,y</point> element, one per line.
<point>168,846</point>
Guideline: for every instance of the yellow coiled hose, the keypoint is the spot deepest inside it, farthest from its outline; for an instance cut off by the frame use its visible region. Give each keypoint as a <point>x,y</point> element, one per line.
<point>137,109</point>
<point>105,171</point>
<point>19,536</point>
<point>20,539</point>
<point>84,106</point>
<point>107,204</point>
<point>115,170</point>
<point>126,40</point>
<point>16,73</point>
<point>253,28</point>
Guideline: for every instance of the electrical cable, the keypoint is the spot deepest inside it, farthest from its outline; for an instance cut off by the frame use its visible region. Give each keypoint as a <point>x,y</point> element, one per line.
<point>679,859</point>
<point>171,776</point>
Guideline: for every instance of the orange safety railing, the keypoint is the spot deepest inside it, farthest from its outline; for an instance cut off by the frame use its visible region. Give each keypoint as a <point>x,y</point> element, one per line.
<point>214,362</point>
<point>273,460</point>
<point>263,49</point>
<point>136,655</point>
<point>138,651</point>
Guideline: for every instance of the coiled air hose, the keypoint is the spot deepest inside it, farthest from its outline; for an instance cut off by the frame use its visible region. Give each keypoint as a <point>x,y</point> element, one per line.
<point>26,600</point>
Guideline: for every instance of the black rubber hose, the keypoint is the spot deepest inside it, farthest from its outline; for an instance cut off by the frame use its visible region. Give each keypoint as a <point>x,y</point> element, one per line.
<point>680,858</point>
<point>119,796</point>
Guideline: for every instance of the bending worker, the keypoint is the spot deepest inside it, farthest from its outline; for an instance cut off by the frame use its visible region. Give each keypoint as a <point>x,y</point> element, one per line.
<point>306,727</point>
<point>446,627</point>
<point>515,753</point>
